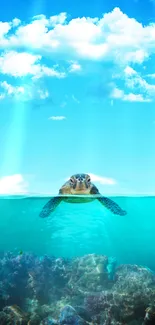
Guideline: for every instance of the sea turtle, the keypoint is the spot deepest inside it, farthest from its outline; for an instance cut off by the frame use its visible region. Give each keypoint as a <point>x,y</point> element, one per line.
<point>79,189</point>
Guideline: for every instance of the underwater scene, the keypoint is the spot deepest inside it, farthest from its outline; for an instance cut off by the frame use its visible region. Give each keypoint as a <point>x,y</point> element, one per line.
<point>81,265</point>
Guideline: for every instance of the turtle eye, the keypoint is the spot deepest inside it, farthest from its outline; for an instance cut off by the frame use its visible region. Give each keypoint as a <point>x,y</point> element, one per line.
<point>88,180</point>
<point>71,181</point>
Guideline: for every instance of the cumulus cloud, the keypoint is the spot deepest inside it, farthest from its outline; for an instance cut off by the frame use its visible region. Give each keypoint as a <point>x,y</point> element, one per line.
<point>57,118</point>
<point>11,91</point>
<point>23,93</point>
<point>137,82</point>
<point>16,22</point>
<point>135,98</point>
<point>129,71</point>
<point>2,96</point>
<point>151,75</point>
<point>18,64</point>
<point>23,64</point>
<point>43,93</point>
<point>115,37</point>
<point>13,184</point>
<point>58,19</point>
<point>137,88</point>
<point>74,67</point>
<point>131,97</point>
<point>4,29</point>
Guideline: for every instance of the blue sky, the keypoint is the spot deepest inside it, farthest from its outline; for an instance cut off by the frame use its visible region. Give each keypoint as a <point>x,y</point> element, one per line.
<point>77,94</point>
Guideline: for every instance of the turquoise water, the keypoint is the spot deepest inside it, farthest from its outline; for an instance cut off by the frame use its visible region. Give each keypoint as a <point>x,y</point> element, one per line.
<point>78,229</point>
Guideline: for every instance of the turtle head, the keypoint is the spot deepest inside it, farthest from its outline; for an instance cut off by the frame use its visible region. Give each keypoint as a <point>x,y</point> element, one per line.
<point>80,184</point>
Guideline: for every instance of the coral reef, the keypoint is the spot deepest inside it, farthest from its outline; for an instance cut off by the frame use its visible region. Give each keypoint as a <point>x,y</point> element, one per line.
<point>91,289</point>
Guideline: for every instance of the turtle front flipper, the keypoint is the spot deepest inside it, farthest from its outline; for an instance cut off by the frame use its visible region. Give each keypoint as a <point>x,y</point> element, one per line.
<point>50,206</point>
<point>112,206</point>
<point>108,203</point>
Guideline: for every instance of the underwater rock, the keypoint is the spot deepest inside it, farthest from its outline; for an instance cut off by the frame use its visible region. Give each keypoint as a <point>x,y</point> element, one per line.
<point>111,268</point>
<point>49,321</point>
<point>149,318</point>
<point>91,288</point>
<point>34,319</point>
<point>69,316</point>
<point>16,315</point>
<point>83,313</point>
<point>30,277</point>
<point>4,318</point>
<point>127,300</point>
<point>89,274</point>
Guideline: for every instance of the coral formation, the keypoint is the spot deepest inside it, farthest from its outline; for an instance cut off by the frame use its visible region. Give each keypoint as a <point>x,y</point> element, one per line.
<point>91,289</point>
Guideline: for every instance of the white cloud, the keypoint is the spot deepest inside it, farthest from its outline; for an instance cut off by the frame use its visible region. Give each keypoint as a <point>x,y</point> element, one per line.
<point>18,64</point>
<point>138,83</point>
<point>50,72</point>
<point>43,94</point>
<point>135,98</point>
<point>22,93</point>
<point>13,91</point>
<point>129,71</point>
<point>102,180</point>
<point>114,36</point>
<point>58,19</point>
<point>2,96</point>
<point>131,97</point>
<point>74,67</point>
<point>23,64</point>
<point>57,118</point>
<point>151,75</point>
<point>10,89</point>
<point>13,184</point>
<point>16,22</point>
<point>137,89</point>
<point>4,29</point>
<point>117,93</point>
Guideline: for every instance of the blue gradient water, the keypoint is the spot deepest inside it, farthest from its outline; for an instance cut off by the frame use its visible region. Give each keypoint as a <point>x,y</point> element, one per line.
<point>78,229</point>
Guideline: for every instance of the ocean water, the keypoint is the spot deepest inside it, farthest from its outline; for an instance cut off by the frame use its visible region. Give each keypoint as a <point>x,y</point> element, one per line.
<point>78,229</point>
<point>81,265</point>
